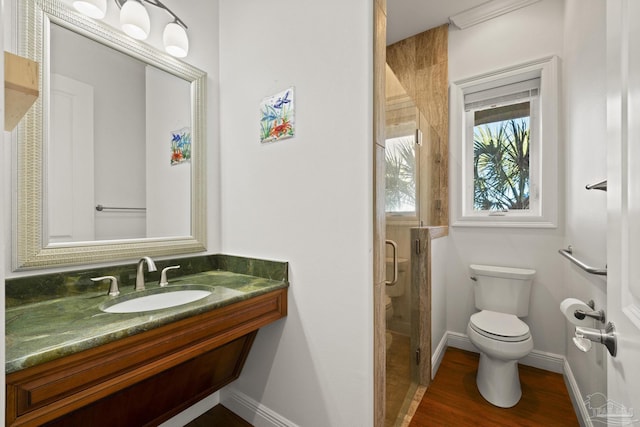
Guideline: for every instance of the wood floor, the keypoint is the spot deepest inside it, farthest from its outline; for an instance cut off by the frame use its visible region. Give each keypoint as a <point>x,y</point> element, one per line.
<point>453,399</point>
<point>219,416</point>
<point>398,377</point>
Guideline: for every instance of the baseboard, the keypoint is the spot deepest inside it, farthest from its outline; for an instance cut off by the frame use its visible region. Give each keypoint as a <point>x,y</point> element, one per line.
<point>576,397</point>
<point>438,354</point>
<point>537,359</point>
<point>252,411</point>
<point>193,412</point>
<point>547,361</point>
<point>460,341</point>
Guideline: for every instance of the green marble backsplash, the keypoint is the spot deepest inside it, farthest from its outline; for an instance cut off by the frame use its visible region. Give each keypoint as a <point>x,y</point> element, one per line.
<point>30,289</point>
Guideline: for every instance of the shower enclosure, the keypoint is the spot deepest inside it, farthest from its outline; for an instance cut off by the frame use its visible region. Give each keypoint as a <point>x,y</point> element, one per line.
<point>408,185</point>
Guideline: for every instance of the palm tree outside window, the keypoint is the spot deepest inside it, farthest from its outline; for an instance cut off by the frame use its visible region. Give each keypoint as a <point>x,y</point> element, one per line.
<point>400,176</point>
<point>501,144</point>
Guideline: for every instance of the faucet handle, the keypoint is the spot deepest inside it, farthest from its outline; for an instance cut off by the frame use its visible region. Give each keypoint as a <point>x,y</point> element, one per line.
<point>163,275</point>
<point>113,288</point>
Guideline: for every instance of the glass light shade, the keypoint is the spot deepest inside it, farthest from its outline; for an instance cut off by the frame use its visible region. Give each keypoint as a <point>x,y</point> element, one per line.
<point>92,8</point>
<point>175,40</point>
<point>134,20</point>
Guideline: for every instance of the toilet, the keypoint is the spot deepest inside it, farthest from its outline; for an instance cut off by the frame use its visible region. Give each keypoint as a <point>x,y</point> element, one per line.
<point>502,296</point>
<point>388,308</point>
<point>394,291</point>
<point>388,317</point>
<point>398,289</point>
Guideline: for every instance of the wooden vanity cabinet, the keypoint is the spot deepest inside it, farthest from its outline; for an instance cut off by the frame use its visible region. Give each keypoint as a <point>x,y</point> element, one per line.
<point>146,378</point>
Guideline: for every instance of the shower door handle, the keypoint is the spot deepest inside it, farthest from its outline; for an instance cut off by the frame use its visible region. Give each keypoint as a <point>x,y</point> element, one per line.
<point>394,280</point>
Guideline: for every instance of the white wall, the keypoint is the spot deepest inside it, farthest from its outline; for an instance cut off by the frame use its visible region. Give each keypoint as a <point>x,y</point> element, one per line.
<point>438,293</point>
<point>201,16</point>
<point>586,154</point>
<point>168,109</point>
<point>574,31</point>
<point>306,200</point>
<point>530,33</point>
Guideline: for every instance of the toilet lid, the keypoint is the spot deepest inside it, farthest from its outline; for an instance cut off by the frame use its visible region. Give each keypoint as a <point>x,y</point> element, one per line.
<point>499,326</point>
<point>387,301</point>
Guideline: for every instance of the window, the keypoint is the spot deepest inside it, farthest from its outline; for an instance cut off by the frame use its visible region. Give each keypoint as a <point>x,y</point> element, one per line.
<point>499,121</point>
<point>507,157</point>
<point>400,176</point>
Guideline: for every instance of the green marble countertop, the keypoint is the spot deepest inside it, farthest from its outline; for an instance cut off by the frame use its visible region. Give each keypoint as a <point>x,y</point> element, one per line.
<point>43,331</point>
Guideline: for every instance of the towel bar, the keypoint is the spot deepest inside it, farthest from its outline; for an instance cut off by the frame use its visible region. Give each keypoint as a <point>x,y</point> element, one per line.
<point>101,208</point>
<point>568,253</point>
<point>602,185</point>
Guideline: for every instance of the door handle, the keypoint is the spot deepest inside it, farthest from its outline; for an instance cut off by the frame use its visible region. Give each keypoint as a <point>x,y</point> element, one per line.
<point>394,280</point>
<point>606,336</point>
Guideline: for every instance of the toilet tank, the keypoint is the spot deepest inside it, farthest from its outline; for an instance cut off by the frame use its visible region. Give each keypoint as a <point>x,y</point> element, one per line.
<point>502,289</point>
<point>401,286</point>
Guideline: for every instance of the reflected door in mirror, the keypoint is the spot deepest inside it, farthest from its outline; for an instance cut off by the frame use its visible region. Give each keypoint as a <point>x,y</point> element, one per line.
<point>71,162</point>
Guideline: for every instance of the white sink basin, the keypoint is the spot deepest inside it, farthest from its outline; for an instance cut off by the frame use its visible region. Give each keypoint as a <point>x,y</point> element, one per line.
<point>157,301</point>
<point>170,296</point>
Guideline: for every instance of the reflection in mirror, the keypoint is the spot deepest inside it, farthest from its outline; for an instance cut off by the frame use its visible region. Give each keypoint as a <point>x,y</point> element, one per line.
<point>118,124</point>
<point>115,122</point>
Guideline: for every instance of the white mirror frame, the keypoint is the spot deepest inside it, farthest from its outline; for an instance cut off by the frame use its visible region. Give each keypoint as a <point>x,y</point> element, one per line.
<point>31,250</point>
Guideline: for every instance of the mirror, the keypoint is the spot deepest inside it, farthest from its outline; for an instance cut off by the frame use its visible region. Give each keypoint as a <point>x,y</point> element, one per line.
<point>111,162</point>
<point>116,124</point>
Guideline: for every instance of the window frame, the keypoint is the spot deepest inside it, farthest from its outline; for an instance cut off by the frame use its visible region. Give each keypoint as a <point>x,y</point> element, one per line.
<point>543,151</point>
<point>406,216</point>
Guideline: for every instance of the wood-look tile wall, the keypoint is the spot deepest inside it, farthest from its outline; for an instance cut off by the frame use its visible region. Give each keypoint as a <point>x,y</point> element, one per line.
<point>421,297</point>
<point>421,65</point>
<point>379,358</point>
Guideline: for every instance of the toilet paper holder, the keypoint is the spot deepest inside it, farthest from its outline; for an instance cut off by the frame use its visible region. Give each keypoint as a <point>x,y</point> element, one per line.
<point>598,315</point>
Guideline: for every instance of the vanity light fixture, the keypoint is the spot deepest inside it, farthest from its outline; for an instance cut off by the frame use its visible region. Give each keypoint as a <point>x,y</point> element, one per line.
<point>135,22</point>
<point>175,40</point>
<point>95,9</point>
<point>134,19</point>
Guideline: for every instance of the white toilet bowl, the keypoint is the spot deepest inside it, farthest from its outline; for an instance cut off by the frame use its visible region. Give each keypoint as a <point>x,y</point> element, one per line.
<point>388,315</point>
<point>388,307</point>
<point>502,339</point>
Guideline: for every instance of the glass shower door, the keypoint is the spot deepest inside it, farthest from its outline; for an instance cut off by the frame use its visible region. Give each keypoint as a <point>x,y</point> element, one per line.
<point>402,205</point>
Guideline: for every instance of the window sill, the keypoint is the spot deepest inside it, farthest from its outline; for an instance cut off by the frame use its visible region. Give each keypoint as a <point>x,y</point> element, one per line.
<point>396,221</point>
<point>487,222</point>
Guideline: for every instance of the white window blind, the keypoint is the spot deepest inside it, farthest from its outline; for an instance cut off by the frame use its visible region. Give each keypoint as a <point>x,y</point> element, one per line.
<point>479,98</point>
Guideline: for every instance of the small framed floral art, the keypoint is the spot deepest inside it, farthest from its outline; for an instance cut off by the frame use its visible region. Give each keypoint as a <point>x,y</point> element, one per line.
<point>277,116</point>
<point>180,146</point>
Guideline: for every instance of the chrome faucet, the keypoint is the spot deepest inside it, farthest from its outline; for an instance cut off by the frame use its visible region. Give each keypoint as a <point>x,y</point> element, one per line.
<point>151,266</point>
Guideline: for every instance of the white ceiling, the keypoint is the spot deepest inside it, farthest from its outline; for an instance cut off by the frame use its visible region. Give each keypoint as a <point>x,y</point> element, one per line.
<point>406,18</point>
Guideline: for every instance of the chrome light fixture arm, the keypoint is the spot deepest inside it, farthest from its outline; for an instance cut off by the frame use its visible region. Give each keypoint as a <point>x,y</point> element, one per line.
<point>136,23</point>
<point>159,4</point>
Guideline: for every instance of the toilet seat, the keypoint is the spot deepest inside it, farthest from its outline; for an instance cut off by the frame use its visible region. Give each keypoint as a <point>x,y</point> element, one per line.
<point>387,302</point>
<point>403,263</point>
<point>499,326</point>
